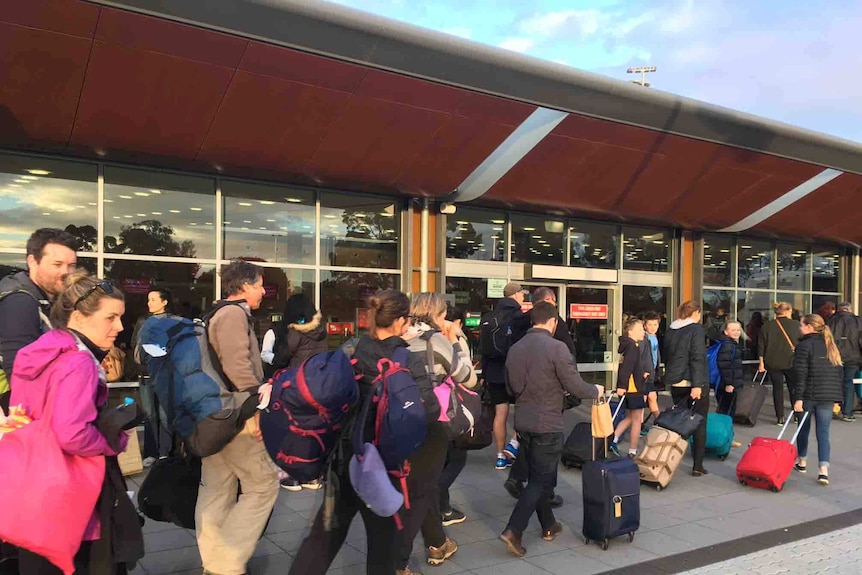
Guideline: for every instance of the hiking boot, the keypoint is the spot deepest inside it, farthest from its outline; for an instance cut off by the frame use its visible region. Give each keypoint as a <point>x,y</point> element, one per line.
<point>313,485</point>
<point>437,555</point>
<point>291,484</point>
<point>551,534</point>
<point>454,516</point>
<point>513,488</point>
<point>513,543</point>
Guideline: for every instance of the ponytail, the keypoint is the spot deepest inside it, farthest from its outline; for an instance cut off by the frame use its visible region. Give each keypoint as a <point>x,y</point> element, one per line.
<point>816,322</point>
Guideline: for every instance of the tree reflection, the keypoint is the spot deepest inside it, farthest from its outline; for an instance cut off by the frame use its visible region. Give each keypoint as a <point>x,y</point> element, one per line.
<point>86,237</point>
<point>464,240</point>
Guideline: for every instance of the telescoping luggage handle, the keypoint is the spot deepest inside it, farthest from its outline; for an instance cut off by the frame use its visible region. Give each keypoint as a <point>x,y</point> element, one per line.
<point>798,428</point>
<point>762,379</point>
<point>600,400</point>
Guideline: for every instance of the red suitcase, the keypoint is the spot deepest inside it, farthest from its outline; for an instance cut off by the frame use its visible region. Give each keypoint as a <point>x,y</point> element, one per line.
<point>767,463</point>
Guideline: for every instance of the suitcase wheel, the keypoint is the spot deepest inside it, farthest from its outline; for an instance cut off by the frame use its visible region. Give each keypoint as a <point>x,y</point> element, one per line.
<point>742,482</point>
<point>722,457</point>
<point>631,536</point>
<point>775,489</point>
<point>605,544</point>
<point>586,540</point>
<point>658,487</point>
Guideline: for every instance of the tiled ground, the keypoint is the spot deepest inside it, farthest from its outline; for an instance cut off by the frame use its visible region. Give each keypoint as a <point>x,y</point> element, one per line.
<point>691,513</point>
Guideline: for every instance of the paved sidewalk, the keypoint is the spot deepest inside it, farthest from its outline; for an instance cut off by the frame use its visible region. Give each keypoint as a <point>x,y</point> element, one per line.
<point>692,513</point>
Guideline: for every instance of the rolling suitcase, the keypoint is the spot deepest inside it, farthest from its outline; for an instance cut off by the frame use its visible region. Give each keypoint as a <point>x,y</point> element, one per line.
<point>661,457</point>
<point>719,435</point>
<point>768,462</point>
<point>749,401</point>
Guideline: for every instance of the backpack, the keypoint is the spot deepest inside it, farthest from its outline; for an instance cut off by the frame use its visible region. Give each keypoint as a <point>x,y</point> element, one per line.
<point>712,361</point>
<point>495,333</point>
<point>307,410</point>
<point>202,406</point>
<point>460,408</point>
<point>401,423</point>
<point>44,323</point>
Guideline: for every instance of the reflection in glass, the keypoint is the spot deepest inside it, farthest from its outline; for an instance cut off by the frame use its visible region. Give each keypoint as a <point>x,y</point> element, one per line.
<point>638,300</point>
<point>750,302</point>
<point>272,223</point>
<point>819,300</point>
<point>594,341</point>
<point>42,193</point>
<point>593,245</point>
<point>476,235</point>
<point>191,286</point>
<point>794,267</point>
<point>471,295</point>
<point>152,213</point>
<point>755,265</point>
<point>646,249</point>
<point>344,299</point>
<point>279,284</point>
<point>14,263</point>
<point>538,240</point>
<point>827,270</point>
<point>799,301</point>
<point>718,261</point>
<point>359,231</point>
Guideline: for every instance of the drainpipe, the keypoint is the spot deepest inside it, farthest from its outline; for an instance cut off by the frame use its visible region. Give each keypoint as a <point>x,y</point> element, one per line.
<point>423,247</point>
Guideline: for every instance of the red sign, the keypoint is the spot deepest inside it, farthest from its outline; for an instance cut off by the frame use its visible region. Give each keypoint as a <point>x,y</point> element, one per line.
<point>136,286</point>
<point>340,328</point>
<point>362,317</point>
<point>588,311</point>
<point>270,291</point>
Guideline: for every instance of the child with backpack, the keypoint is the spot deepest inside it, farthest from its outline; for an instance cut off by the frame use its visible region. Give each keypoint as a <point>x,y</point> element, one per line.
<point>388,319</point>
<point>729,364</point>
<point>631,385</point>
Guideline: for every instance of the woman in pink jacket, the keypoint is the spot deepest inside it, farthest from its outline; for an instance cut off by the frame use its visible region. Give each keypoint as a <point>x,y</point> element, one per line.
<point>64,364</point>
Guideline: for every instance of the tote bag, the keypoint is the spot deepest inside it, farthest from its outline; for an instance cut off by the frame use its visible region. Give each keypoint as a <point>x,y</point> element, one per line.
<point>602,420</point>
<point>48,496</point>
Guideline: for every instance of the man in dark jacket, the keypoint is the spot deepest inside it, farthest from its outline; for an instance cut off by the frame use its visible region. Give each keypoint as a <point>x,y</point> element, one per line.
<point>25,297</point>
<point>846,328</point>
<point>509,316</point>
<point>540,370</point>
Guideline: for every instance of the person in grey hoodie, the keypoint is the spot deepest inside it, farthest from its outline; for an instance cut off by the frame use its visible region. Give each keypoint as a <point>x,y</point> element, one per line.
<point>686,371</point>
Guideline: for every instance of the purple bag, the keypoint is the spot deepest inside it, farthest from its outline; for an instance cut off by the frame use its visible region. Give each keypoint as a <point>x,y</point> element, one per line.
<point>370,480</point>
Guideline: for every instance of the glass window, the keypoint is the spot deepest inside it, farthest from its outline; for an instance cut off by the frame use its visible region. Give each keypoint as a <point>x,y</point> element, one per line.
<point>593,245</point>
<point>794,267</point>
<point>41,193</point>
<point>538,240</point>
<point>279,284</point>
<point>749,303</point>
<point>359,231</point>
<point>14,263</point>
<point>717,306</point>
<point>272,223</point>
<point>646,249</point>
<point>344,300</point>
<point>191,285</point>
<point>471,295</point>
<point>799,301</point>
<point>476,235</point>
<point>755,265</point>
<point>827,270</point>
<point>638,300</point>
<point>820,300</point>
<point>718,261</point>
<point>151,213</point>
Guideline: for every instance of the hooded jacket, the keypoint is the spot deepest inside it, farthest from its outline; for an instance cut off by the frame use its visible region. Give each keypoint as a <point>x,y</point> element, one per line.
<point>57,368</point>
<point>685,354</point>
<point>303,341</point>
<point>817,379</point>
<point>23,316</point>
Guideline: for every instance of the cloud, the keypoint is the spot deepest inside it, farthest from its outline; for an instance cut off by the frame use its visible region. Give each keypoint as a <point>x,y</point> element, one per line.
<point>519,44</point>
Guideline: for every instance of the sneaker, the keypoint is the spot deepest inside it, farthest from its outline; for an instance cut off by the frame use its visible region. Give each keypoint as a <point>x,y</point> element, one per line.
<point>823,479</point>
<point>800,468</point>
<point>437,555</point>
<point>313,485</point>
<point>511,451</point>
<point>502,463</point>
<point>513,488</point>
<point>291,484</point>
<point>780,421</point>
<point>453,517</point>
<point>848,418</point>
<point>148,461</point>
<point>736,444</point>
<point>612,447</point>
<point>699,472</point>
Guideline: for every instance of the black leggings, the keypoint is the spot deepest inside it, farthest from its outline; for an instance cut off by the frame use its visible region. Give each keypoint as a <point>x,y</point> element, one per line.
<point>456,460</point>
<point>779,378</point>
<point>32,564</point>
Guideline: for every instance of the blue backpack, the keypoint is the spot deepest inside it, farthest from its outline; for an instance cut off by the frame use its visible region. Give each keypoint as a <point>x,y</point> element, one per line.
<point>712,361</point>
<point>307,410</point>
<point>202,406</point>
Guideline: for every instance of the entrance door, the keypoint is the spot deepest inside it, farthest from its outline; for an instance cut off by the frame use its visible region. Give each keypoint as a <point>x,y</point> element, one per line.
<point>591,317</point>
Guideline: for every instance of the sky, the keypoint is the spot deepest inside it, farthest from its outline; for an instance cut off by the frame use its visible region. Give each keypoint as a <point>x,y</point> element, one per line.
<point>794,61</point>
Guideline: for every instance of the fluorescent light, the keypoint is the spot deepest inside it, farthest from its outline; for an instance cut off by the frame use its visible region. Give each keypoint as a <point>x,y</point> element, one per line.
<point>142,194</point>
<point>29,178</point>
<point>46,213</point>
<point>246,221</point>
<point>109,201</point>
<point>462,223</point>
<point>21,181</point>
<point>196,209</point>
<point>155,191</point>
<point>329,216</point>
<point>37,172</point>
<point>270,220</point>
<point>125,197</point>
<point>529,229</point>
<point>294,200</point>
<point>266,202</point>
<point>141,215</point>
<point>157,213</point>
<point>174,211</point>
<point>244,204</point>
<point>498,221</point>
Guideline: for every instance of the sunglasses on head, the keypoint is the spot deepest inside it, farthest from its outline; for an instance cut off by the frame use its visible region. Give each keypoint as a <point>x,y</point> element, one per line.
<point>105,285</point>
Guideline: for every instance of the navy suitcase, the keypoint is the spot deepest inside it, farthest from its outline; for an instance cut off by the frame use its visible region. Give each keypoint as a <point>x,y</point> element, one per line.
<point>580,445</point>
<point>611,500</point>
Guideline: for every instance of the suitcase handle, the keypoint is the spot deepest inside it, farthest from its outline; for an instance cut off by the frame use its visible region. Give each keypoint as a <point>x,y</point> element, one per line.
<point>619,407</point>
<point>798,428</point>
<point>762,379</point>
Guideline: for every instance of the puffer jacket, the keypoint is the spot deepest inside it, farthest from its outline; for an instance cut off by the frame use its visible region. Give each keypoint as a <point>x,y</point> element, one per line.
<point>303,341</point>
<point>730,362</point>
<point>685,354</point>
<point>817,379</point>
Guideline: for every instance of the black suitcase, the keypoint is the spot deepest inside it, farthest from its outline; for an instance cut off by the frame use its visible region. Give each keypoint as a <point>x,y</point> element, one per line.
<point>749,402</point>
<point>577,450</point>
<point>611,500</point>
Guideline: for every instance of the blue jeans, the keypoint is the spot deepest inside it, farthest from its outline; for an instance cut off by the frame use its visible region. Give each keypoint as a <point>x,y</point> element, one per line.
<point>822,413</point>
<point>850,371</point>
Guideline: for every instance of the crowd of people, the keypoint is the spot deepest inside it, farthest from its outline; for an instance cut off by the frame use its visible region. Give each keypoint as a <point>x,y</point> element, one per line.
<point>57,324</point>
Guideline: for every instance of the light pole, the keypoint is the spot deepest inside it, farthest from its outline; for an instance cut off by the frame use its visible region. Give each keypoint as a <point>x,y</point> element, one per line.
<point>642,70</point>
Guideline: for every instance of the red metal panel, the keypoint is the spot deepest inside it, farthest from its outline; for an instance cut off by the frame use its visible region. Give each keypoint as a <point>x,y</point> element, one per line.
<point>272,124</point>
<point>71,17</point>
<point>296,66</point>
<point>166,37</point>
<point>410,91</point>
<point>41,74</point>
<point>149,103</point>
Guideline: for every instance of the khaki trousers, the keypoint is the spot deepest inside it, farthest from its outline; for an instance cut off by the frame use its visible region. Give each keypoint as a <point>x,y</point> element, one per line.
<point>228,528</point>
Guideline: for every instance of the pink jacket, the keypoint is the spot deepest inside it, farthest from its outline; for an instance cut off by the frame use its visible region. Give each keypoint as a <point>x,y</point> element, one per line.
<point>55,362</point>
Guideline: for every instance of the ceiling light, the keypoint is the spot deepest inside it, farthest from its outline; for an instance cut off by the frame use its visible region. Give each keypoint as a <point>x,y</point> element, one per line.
<point>174,211</point>
<point>29,178</point>
<point>462,223</point>
<point>192,224</point>
<point>537,237</point>
<point>329,216</point>
<point>243,204</point>
<point>46,214</point>
<point>294,200</point>
<point>261,228</point>
<point>196,209</point>
<point>129,217</point>
<point>498,221</point>
<point>91,203</point>
<point>21,181</point>
<point>743,247</point>
<point>266,202</point>
<point>208,223</point>
<point>306,227</point>
<point>39,172</point>
<point>359,215</point>
<point>226,223</point>
<point>125,197</point>
<point>246,221</point>
<point>14,185</point>
<point>155,191</point>
<point>725,251</point>
<point>141,215</point>
<point>109,201</point>
<point>142,194</point>
<point>387,215</point>
<point>529,229</point>
<point>157,213</point>
<point>116,217</point>
<point>270,220</point>
<point>284,228</point>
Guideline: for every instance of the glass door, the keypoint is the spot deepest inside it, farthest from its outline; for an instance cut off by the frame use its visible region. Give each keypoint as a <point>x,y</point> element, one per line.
<point>591,317</point>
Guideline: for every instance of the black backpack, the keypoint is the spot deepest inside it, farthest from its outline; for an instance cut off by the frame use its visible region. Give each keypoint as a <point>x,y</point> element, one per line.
<point>495,333</point>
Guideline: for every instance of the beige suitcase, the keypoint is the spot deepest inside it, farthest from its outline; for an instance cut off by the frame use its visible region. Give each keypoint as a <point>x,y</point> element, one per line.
<point>130,460</point>
<point>662,455</point>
